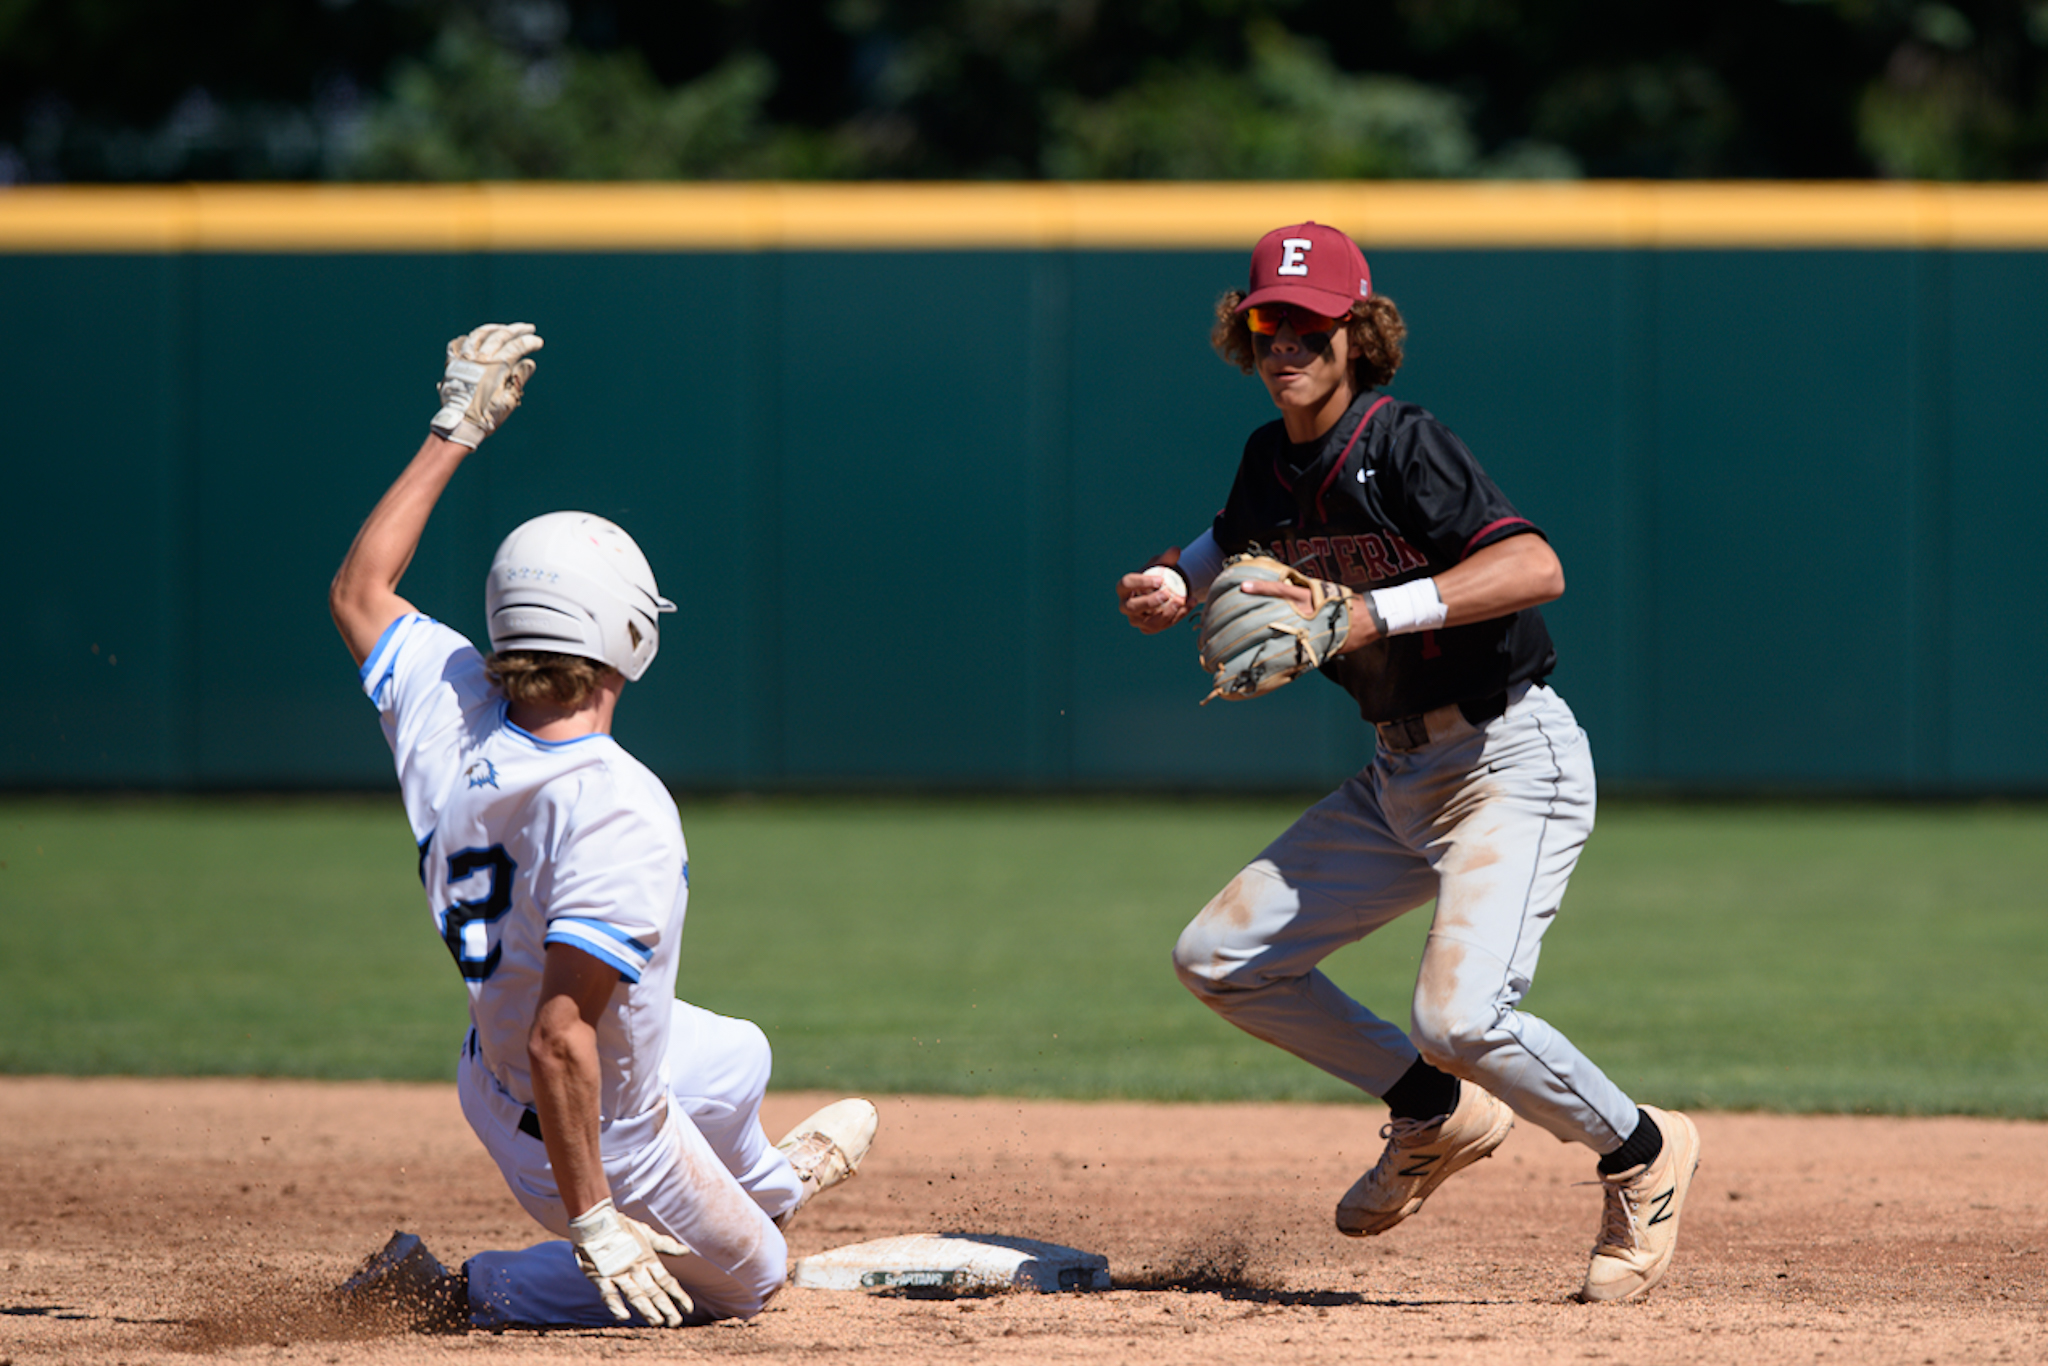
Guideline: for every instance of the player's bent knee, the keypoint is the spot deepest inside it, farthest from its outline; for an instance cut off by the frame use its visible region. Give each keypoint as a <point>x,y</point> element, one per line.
<point>738,1293</point>
<point>1451,1041</point>
<point>1215,947</point>
<point>754,1303</point>
<point>756,1054</point>
<point>1225,987</point>
<point>1200,965</point>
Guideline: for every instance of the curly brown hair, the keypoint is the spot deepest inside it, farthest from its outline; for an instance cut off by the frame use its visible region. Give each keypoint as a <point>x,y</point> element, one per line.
<point>1375,326</point>
<point>542,676</point>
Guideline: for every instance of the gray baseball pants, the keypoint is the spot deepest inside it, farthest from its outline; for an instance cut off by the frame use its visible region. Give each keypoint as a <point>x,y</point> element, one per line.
<point>1487,820</point>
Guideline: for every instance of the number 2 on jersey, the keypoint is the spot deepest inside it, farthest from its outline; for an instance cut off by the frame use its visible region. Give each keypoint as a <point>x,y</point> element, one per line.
<point>465,925</point>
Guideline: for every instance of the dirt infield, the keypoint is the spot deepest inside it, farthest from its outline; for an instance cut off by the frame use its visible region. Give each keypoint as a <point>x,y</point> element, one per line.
<point>146,1221</point>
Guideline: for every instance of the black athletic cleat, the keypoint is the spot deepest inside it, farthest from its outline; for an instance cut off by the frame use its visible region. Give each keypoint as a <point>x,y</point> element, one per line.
<point>404,1279</point>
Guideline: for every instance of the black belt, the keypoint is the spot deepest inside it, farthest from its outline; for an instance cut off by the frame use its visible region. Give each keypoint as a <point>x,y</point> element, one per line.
<point>1412,732</point>
<point>529,1120</point>
<point>1483,709</point>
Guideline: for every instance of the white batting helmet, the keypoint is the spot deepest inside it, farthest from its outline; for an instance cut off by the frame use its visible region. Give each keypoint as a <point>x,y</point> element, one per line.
<point>575,584</point>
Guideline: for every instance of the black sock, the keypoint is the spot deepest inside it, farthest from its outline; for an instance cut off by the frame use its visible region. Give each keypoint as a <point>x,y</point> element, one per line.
<point>1422,1093</point>
<point>1639,1149</point>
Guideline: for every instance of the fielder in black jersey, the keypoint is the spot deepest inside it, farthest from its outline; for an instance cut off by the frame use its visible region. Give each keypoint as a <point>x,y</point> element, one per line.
<point>1389,496</point>
<point>1479,798</point>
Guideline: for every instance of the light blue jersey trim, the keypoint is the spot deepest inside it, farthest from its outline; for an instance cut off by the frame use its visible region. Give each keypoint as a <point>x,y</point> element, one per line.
<point>602,942</point>
<point>533,739</point>
<point>376,669</point>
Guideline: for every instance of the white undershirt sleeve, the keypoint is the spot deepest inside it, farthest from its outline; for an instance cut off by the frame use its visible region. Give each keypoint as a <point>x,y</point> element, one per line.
<point>1200,562</point>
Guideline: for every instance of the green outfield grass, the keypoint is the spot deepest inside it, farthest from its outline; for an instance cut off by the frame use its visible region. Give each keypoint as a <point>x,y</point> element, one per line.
<point>1844,958</point>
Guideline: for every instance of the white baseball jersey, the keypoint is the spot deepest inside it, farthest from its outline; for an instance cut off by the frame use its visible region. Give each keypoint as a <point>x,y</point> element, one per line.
<point>527,842</point>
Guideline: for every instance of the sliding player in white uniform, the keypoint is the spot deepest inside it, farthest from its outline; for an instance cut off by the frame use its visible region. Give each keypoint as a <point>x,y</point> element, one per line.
<point>623,1120</point>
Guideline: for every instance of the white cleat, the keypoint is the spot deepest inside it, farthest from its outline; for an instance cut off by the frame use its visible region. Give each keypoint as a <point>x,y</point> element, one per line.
<point>828,1148</point>
<point>1639,1219</point>
<point>1421,1154</point>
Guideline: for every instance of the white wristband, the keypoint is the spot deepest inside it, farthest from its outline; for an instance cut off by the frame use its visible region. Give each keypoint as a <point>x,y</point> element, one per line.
<point>450,425</point>
<point>1409,607</point>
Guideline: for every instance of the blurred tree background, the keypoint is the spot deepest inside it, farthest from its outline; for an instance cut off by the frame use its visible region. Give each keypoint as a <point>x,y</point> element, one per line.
<point>175,90</point>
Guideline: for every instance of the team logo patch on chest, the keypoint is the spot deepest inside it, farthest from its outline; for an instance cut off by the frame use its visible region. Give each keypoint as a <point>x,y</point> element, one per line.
<point>481,773</point>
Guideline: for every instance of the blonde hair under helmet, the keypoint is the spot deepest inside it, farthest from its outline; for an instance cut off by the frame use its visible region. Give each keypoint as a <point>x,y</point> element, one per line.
<point>576,584</point>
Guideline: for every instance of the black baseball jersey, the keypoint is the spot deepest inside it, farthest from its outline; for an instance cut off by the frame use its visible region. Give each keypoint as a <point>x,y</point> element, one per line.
<point>1385,496</point>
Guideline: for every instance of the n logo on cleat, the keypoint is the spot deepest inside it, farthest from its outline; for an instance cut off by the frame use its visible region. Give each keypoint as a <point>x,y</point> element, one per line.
<point>1663,1204</point>
<point>1421,1164</point>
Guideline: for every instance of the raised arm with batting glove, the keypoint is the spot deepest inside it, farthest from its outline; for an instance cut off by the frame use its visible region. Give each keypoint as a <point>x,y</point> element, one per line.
<point>483,380</point>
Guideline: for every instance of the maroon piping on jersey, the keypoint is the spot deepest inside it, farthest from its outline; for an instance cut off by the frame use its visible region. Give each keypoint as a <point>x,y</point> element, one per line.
<point>1492,527</point>
<point>1342,456</point>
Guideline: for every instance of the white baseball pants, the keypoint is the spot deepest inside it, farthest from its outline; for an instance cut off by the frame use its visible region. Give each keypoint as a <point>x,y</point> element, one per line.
<point>1488,821</point>
<point>701,1170</point>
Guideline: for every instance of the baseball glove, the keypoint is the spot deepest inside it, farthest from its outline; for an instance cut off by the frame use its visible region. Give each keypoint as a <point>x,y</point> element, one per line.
<point>1252,643</point>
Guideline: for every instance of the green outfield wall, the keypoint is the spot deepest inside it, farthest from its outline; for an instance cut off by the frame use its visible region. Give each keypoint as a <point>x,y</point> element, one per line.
<point>890,446</point>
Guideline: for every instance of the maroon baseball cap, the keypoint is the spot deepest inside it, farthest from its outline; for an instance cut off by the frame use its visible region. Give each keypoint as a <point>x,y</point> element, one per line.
<point>1311,265</point>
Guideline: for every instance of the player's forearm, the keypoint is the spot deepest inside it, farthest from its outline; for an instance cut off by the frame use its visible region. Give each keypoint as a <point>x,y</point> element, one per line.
<point>377,560</point>
<point>562,1053</point>
<point>1503,578</point>
<point>1497,581</point>
<point>363,597</point>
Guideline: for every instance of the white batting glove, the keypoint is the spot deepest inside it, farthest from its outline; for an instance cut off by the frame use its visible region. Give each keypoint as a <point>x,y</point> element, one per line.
<point>618,1253</point>
<point>487,371</point>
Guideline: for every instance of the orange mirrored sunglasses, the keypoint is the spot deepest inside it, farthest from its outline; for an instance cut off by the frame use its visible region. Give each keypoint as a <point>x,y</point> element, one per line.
<point>1265,319</point>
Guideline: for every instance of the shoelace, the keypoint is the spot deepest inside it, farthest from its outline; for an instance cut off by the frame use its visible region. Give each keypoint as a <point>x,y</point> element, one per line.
<point>810,1153</point>
<point>1401,1136</point>
<point>1617,1213</point>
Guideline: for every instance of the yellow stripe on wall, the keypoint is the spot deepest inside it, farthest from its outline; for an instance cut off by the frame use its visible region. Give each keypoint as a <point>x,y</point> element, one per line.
<point>1158,215</point>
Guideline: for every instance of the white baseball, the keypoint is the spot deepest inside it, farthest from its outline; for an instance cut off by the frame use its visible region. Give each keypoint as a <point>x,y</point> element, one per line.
<point>1170,581</point>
